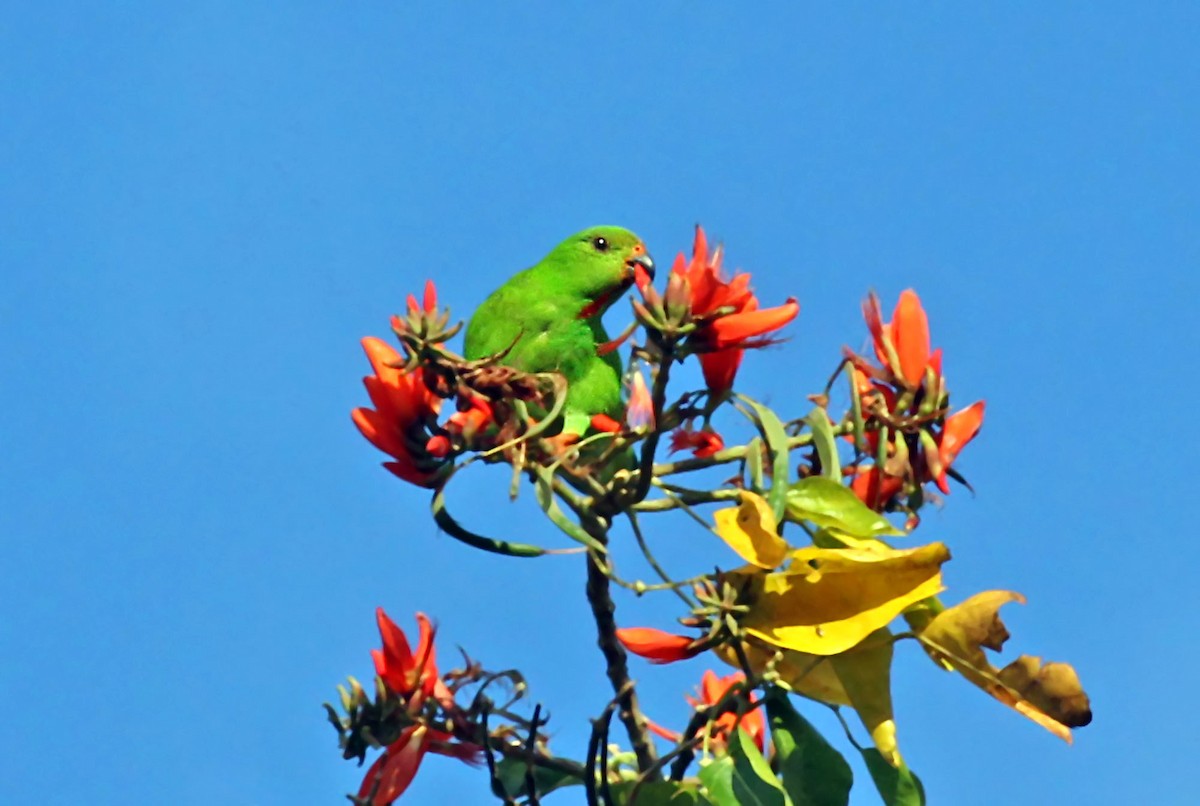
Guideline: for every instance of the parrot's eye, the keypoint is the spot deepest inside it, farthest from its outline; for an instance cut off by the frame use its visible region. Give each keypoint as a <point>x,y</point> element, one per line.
<point>601,244</point>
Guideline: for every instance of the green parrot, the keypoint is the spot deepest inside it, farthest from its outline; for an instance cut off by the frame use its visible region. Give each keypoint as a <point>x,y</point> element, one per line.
<point>549,314</point>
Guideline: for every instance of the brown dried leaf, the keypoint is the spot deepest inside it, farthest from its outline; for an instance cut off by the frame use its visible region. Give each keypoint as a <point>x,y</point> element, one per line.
<point>1049,694</point>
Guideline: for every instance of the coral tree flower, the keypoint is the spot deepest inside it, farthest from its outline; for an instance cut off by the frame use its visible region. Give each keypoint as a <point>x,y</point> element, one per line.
<point>406,409</point>
<point>657,646</point>
<point>907,395</point>
<point>411,675</point>
<point>728,312</point>
<point>403,408</point>
<point>413,678</point>
<point>702,444</point>
<point>712,689</point>
<point>902,345</point>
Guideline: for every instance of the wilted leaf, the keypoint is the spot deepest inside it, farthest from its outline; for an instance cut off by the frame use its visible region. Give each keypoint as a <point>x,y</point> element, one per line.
<point>830,599</point>
<point>1048,694</point>
<point>898,786</point>
<point>829,504</point>
<point>813,772</point>
<point>749,529</point>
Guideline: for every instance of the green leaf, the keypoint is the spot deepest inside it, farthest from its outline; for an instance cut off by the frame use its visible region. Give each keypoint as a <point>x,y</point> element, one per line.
<point>814,773</point>
<point>659,793</point>
<point>825,443</point>
<point>743,777</point>
<point>511,774</point>
<point>771,428</point>
<point>754,464</point>
<point>829,504</point>
<point>897,786</point>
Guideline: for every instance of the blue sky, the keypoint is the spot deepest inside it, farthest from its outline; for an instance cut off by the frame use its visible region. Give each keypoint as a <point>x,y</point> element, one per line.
<point>206,205</point>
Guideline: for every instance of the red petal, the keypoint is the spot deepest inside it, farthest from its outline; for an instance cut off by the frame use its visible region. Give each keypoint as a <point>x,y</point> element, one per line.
<point>425,673</point>
<point>910,333</point>
<point>871,491</point>
<point>395,662</point>
<point>873,315</point>
<point>396,768</point>
<point>655,645</point>
<point>959,429</point>
<point>602,422</point>
<point>728,331</point>
<point>659,730</point>
<point>430,297</point>
<point>406,470</point>
<point>378,432</point>
<point>720,368</point>
<point>702,444</point>
<point>380,354</point>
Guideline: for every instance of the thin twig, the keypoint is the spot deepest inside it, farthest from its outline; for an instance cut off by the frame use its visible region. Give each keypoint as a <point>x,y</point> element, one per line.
<point>658,569</point>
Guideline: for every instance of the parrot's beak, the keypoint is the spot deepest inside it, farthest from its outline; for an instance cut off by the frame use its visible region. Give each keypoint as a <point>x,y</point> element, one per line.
<point>641,259</point>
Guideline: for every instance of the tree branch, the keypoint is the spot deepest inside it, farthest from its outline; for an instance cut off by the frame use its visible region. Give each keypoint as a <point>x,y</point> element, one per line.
<point>600,598</point>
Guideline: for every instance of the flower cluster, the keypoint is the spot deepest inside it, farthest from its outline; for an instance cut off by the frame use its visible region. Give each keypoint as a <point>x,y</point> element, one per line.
<point>413,683</point>
<point>722,317</point>
<point>907,430</point>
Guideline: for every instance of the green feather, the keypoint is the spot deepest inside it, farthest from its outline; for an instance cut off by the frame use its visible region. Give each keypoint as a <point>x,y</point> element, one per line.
<point>549,314</point>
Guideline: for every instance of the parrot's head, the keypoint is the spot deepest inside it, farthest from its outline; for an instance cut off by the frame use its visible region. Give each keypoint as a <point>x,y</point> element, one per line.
<point>598,265</point>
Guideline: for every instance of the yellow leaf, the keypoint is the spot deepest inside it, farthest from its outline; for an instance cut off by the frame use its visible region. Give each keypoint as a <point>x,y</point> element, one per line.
<point>809,675</point>
<point>866,674</point>
<point>859,678</point>
<point>828,600</point>
<point>749,529</point>
<point>1049,694</point>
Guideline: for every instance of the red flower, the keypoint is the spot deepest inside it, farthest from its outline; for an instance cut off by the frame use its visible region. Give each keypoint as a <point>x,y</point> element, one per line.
<point>411,675</point>
<point>703,444</point>
<point>874,488</point>
<point>396,768</point>
<point>728,312</point>
<point>403,408</point>
<point>907,396</point>
<point>413,678</point>
<point>712,690</point>
<point>657,646</point>
<point>959,429</point>
<point>902,345</point>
